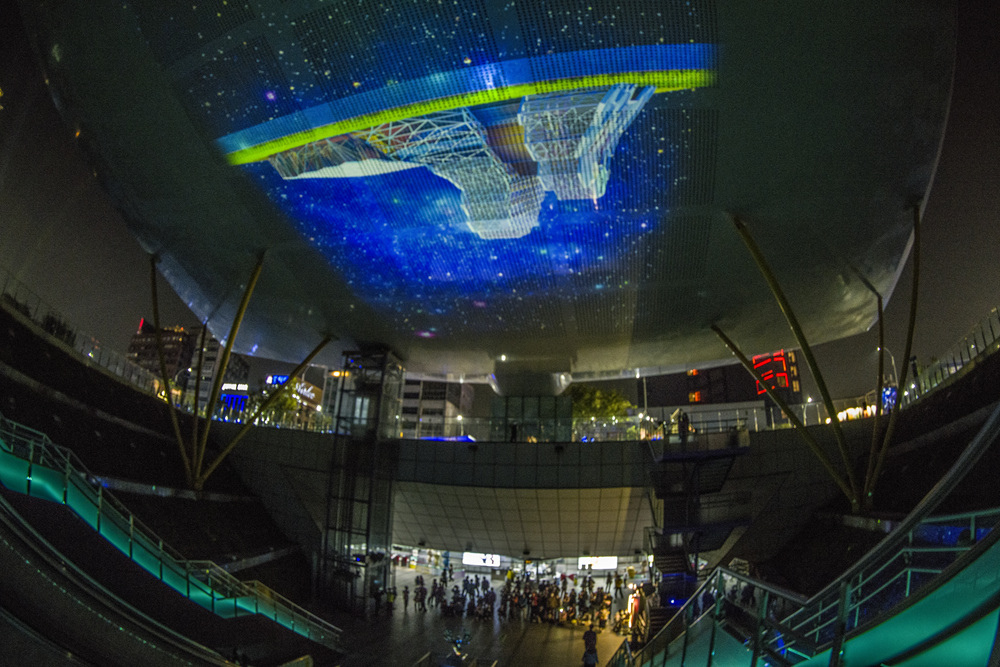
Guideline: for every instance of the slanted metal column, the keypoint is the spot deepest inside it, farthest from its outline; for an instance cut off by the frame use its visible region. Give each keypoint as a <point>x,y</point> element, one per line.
<point>189,473</point>
<point>222,362</point>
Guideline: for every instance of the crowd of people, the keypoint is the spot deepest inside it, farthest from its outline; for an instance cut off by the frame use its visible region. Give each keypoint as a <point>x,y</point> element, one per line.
<point>564,599</point>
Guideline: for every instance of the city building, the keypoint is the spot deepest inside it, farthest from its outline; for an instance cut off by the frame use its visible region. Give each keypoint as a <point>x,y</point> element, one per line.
<point>180,354</point>
<point>523,197</point>
<point>235,381</point>
<point>178,345</point>
<point>434,409</point>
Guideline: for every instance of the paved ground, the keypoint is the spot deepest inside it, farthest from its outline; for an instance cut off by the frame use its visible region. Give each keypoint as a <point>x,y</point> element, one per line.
<point>405,636</point>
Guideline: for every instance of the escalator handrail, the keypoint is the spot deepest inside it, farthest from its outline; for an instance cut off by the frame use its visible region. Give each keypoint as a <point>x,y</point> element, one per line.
<point>70,465</point>
<point>16,526</point>
<point>888,547</point>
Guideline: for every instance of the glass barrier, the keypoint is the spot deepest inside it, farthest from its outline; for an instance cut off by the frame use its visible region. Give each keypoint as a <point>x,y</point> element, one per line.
<point>31,464</point>
<point>19,297</point>
<point>983,339</point>
<point>790,628</point>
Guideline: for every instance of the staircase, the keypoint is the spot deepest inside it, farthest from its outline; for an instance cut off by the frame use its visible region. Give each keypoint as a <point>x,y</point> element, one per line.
<point>32,465</point>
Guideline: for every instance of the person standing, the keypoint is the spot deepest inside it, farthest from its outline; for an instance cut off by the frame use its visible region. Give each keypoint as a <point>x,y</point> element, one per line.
<point>406,598</point>
<point>590,639</point>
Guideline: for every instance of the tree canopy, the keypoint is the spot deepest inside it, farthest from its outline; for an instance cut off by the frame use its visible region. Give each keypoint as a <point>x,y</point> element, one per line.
<point>589,401</point>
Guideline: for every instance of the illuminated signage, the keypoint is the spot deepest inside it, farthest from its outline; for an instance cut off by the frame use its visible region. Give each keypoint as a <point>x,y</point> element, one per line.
<point>306,390</point>
<point>598,563</point>
<point>485,560</point>
<point>773,370</point>
<point>276,379</point>
<point>235,386</point>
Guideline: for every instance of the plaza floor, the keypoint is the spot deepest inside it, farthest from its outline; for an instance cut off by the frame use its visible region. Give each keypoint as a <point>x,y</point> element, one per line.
<point>403,637</point>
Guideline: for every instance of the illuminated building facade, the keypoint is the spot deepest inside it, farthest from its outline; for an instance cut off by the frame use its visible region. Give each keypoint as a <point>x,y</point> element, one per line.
<point>178,347</point>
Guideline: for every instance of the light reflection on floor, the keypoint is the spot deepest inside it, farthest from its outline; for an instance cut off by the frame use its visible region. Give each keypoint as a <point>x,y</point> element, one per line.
<point>404,637</point>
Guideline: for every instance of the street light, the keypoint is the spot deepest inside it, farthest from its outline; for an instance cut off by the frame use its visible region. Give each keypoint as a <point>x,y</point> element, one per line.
<point>461,426</point>
<point>895,374</point>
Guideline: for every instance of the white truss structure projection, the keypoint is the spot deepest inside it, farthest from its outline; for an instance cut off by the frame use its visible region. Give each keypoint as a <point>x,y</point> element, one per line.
<point>572,136</point>
<point>336,157</point>
<point>500,203</point>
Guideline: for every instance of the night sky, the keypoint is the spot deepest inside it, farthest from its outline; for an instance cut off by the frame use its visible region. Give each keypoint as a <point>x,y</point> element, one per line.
<point>60,235</point>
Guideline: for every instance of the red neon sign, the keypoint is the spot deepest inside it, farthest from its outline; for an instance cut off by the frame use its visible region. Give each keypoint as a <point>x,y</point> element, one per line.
<point>773,370</point>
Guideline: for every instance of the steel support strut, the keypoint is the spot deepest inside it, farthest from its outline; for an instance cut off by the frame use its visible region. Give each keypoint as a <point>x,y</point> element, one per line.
<point>220,370</point>
<point>260,409</point>
<point>171,408</point>
<point>873,450</point>
<point>799,426</point>
<point>894,413</point>
<point>800,337</point>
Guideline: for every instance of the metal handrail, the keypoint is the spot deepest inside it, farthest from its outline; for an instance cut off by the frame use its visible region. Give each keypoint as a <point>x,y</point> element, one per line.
<point>811,617</point>
<point>43,552</point>
<point>220,586</point>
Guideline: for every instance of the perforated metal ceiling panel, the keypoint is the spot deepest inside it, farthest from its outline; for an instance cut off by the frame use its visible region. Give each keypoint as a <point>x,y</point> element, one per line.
<point>537,523</point>
<point>550,180</point>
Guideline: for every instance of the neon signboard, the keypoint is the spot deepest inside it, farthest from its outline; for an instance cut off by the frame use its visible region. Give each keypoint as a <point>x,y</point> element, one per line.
<point>483,560</point>
<point>773,370</point>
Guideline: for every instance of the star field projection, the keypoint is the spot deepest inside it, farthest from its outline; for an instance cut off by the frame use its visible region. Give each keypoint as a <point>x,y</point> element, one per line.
<point>402,243</point>
<point>342,48</point>
<point>404,240</point>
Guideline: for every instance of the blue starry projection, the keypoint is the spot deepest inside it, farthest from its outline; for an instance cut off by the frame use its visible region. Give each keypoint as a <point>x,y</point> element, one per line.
<point>464,165</point>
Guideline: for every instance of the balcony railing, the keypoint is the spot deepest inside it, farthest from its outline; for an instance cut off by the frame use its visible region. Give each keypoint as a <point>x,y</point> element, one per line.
<point>983,339</point>
<point>21,298</point>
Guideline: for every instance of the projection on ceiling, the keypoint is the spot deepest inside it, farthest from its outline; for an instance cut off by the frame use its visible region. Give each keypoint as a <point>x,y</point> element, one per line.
<point>467,166</point>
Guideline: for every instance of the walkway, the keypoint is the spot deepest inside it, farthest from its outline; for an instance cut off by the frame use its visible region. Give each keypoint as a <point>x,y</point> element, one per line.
<point>404,637</point>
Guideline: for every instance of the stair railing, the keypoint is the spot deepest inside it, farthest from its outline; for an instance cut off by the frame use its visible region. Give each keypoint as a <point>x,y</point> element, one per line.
<point>792,628</point>
<point>31,464</point>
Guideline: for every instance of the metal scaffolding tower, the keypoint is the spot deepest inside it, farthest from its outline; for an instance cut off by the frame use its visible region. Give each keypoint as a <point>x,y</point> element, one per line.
<point>357,540</point>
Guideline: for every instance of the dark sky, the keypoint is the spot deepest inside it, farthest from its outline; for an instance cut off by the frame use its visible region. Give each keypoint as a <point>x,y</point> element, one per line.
<point>60,235</point>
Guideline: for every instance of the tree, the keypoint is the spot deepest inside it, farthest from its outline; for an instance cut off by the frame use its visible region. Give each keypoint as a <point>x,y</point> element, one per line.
<point>589,401</point>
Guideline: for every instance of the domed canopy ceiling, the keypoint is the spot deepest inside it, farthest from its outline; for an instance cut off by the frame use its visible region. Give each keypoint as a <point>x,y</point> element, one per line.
<point>552,180</point>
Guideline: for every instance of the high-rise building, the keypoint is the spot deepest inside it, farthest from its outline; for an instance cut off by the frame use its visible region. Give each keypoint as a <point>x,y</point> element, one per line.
<point>180,353</point>
<point>237,371</point>
<point>435,409</point>
<point>178,347</point>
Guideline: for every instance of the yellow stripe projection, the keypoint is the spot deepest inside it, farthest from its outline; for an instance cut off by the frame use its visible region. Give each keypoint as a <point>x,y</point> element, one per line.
<point>664,81</point>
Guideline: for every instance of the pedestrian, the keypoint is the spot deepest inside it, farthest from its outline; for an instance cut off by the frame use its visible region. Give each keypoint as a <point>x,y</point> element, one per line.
<point>406,598</point>
<point>683,428</point>
<point>590,639</point>
<point>590,657</point>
